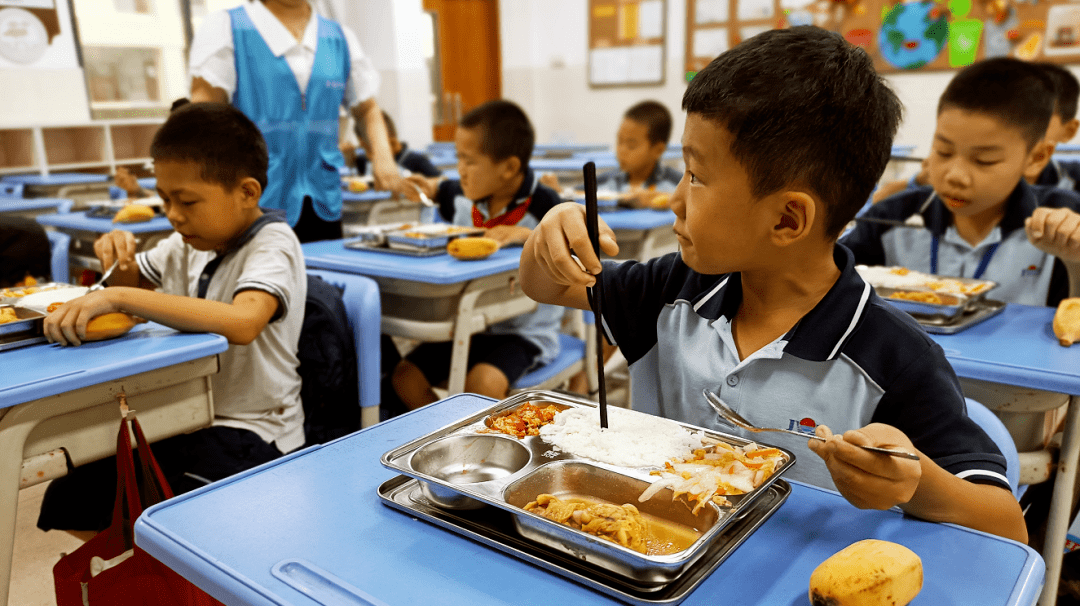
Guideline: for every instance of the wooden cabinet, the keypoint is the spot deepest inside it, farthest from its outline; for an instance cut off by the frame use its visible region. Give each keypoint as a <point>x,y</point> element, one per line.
<point>98,146</point>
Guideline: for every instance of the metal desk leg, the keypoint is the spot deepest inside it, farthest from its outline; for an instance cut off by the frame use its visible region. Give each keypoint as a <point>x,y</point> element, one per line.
<point>1057,524</point>
<point>464,326</point>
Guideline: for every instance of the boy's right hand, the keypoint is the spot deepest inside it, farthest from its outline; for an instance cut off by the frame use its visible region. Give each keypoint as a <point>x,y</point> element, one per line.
<point>562,232</point>
<point>118,245</point>
<point>415,183</point>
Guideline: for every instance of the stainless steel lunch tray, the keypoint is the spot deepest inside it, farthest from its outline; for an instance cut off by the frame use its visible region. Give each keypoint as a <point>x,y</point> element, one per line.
<point>963,302</point>
<point>427,237</point>
<point>27,330</point>
<point>981,310</point>
<point>383,248</point>
<point>509,492</point>
<point>496,529</point>
<point>9,300</point>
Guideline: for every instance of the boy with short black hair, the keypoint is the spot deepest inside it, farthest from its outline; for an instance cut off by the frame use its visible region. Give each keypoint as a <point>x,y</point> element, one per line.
<point>229,268</point>
<point>786,135</point>
<point>499,192</point>
<point>411,160</point>
<point>982,220</point>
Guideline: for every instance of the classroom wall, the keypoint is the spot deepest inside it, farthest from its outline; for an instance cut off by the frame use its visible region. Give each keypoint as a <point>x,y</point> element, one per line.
<point>544,46</point>
<point>392,36</point>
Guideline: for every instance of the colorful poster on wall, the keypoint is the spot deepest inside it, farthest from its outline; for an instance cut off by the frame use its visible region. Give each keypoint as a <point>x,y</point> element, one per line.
<point>626,42</point>
<point>900,35</point>
<point>36,34</point>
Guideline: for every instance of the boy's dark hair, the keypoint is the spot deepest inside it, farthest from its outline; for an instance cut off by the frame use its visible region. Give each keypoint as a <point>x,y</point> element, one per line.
<point>505,130</point>
<point>655,117</point>
<point>1012,91</point>
<point>1067,90</point>
<point>804,108</point>
<point>219,137</point>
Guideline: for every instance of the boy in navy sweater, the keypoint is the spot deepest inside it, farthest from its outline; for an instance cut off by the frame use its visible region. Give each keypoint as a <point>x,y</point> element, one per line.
<point>786,135</point>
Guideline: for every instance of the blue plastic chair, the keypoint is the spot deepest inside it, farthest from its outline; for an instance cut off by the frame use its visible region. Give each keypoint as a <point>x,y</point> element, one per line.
<point>59,243</point>
<point>11,190</point>
<point>994,428</point>
<point>576,353</point>
<point>364,308</point>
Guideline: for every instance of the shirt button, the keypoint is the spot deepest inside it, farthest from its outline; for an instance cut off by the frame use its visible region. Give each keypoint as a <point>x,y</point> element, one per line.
<point>732,380</point>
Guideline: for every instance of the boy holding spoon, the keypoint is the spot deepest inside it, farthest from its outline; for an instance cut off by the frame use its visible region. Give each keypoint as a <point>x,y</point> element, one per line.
<point>786,135</point>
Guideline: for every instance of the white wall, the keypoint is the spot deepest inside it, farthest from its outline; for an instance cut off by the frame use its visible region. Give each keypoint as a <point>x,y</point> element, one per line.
<point>545,70</point>
<point>391,34</point>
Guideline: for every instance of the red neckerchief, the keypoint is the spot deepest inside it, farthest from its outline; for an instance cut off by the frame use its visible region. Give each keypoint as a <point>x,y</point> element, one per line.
<point>507,218</point>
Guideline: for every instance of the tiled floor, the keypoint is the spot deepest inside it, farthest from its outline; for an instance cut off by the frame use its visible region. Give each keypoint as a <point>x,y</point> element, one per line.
<point>35,553</point>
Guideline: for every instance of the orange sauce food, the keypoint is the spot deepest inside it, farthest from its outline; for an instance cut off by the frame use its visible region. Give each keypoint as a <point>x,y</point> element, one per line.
<point>526,420</point>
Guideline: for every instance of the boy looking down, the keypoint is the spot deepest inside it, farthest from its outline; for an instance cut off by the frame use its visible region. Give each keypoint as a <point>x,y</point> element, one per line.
<point>786,135</point>
<point>982,220</point>
<point>229,268</point>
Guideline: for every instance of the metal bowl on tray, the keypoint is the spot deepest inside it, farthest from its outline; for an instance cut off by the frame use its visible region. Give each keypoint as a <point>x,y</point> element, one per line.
<point>465,460</point>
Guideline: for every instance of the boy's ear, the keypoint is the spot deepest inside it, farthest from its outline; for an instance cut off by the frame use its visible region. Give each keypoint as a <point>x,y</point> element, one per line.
<point>1070,128</point>
<point>796,213</point>
<point>1037,160</point>
<point>512,167</point>
<point>251,191</point>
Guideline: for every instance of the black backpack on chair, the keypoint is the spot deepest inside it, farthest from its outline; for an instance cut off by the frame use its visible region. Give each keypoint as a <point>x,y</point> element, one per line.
<point>330,389</point>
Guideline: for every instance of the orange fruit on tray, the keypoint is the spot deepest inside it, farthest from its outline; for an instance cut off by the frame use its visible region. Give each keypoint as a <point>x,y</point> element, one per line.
<point>108,326</point>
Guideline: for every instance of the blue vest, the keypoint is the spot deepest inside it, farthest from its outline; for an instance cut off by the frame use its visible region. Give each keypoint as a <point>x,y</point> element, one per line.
<point>300,128</point>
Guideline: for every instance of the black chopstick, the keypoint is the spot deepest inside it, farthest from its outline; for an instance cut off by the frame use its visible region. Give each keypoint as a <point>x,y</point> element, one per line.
<point>592,224</point>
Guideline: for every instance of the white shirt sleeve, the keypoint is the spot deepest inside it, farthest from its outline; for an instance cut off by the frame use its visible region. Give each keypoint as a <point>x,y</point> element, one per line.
<point>363,77</point>
<point>212,55</point>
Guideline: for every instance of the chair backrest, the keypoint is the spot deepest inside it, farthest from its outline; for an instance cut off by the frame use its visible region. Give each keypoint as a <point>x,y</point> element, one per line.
<point>59,244</point>
<point>577,353</point>
<point>994,428</point>
<point>360,296</point>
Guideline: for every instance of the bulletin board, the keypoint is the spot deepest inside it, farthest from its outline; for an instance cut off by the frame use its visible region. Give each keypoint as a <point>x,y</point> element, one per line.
<point>626,42</point>
<point>900,36</point>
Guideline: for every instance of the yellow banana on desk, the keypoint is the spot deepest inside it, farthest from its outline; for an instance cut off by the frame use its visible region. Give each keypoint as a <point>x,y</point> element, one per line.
<point>1067,321</point>
<point>867,573</point>
<point>134,213</point>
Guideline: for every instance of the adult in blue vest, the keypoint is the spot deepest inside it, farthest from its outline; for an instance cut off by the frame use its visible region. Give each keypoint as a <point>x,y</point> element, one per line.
<point>291,70</point>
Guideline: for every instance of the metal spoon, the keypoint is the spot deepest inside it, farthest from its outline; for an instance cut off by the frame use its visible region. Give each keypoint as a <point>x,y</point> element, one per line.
<point>735,419</point>
<point>424,199</point>
<point>100,284</point>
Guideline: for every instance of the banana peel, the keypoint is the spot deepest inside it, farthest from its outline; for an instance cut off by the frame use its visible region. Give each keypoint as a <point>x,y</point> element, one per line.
<point>1067,321</point>
<point>471,249</point>
<point>134,213</point>
<point>867,573</point>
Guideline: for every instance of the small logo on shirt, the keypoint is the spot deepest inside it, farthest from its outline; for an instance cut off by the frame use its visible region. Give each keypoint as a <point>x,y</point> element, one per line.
<point>1032,270</point>
<point>336,84</point>
<point>806,425</point>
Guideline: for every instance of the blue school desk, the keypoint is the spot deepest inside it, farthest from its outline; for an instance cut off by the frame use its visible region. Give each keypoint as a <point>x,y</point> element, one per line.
<point>243,540</point>
<point>81,187</point>
<point>85,230</point>
<point>555,150</point>
<point>54,398</point>
<point>642,233</point>
<point>434,298</point>
<point>571,168</point>
<point>1018,348</point>
<point>33,207</point>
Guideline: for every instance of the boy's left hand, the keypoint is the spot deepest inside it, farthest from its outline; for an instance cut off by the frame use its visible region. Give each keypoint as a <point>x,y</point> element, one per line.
<point>508,234</point>
<point>869,480</point>
<point>67,324</point>
<point>1055,231</point>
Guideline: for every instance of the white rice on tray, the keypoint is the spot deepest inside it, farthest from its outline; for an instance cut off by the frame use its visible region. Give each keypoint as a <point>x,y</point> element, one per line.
<point>632,439</point>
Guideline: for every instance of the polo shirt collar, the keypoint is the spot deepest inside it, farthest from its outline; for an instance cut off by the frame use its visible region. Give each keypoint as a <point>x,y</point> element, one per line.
<point>527,189</point>
<point>268,217</point>
<point>276,35</point>
<point>821,333</point>
<point>1020,204</point>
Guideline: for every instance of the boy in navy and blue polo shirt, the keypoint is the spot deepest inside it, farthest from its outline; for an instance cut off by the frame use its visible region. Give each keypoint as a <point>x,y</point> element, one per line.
<point>640,144</point>
<point>497,191</point>
<point>408,159</point>
<point>982,220</point>
<point>786,135</point>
